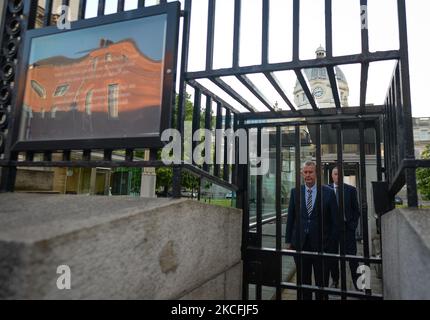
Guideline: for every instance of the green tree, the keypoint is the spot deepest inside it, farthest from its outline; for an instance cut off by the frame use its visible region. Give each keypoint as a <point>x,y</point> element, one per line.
<point>423,176</point>
<point>165,174</point>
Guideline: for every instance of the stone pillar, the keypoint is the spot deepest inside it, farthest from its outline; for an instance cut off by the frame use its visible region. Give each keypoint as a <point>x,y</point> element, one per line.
<point>118,248</point>
<point>149,179</point>
<point>406,254</point>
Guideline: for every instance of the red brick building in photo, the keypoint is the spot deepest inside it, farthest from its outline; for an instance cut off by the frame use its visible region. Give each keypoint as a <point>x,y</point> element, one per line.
<point>114,90</point>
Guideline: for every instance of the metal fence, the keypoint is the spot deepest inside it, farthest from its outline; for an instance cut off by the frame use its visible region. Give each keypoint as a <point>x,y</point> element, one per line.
<point>262,266</point>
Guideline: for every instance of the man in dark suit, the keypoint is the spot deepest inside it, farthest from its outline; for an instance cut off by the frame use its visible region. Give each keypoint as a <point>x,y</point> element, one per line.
<point>308,237</point>
<point>351,216</point>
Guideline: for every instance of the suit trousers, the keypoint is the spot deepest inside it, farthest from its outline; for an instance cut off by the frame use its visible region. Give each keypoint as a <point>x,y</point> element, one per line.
<point>351,250</point>
<point>315,263</point>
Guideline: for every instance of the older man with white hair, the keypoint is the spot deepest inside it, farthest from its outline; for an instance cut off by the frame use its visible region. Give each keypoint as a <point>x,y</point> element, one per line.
<point>310,239</point>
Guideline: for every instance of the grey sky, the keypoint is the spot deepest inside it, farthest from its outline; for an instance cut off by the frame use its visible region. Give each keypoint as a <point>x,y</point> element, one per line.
<point>383,33</point>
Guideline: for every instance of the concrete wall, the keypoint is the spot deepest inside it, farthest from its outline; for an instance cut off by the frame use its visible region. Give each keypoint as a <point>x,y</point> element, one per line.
<point>406,254</point>
<point>118,248</point>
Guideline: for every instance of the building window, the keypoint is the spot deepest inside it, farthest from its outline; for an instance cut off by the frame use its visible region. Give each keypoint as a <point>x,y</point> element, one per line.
<point>113,93</point>
<point>38,88</point>
<point>108,57</point>
<point>61,90</point>
<point>88,99</point>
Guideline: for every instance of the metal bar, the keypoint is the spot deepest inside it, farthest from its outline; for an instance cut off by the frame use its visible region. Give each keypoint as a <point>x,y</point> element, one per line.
<point>310,122</point>
<point>277,85</point>
<point>243,203</point>
<point>414,164</point>
<point>180,116</point>
<point>341,222</point>
<point>398,180</point>
<point>298,203</point>
<point>259,208</point>
<point>346,258</point>
<point>305,86</point>
<point>378,149</point>
<point>259,204</point>
<point>86,155</point>
<point>296,30</point>
<point>82,8</point>
<point>236,33</point>
<point>210,35</point>
<point>208,126</point>
<point>120,7</point>
<point>265,33</point>
<point>8,175</point>
<point>251,87</point>
<point>83,164</point>
<point>194,84</point>
<point>364,28</point>
<point>29,156</point>
<point>318,202</point>
<point>398,125</point>
<point>129,155</point>
<point>387,143</point>
<point>279,206</point>
<point>296,64</point>
<point>335,292</point>
<point>227,126</point>
<point>326,112</point>
<point>199,172</point>
<point>363,198</point>
<point>266,221</point>
<point>334,87</point>
<point>47,13</point>
<point>47,156</point>
<point>218,126</point>
<point>196,117</point>
<point>328,29</point>
<point>401,119</point>
<point>406,106</point>
<point>229,90</point>
<point>31,14</point>
<point>67,155</point>
<point>107,155</point>
<point>234,171</point>
<point>101,8</point>
<point>363,84</point>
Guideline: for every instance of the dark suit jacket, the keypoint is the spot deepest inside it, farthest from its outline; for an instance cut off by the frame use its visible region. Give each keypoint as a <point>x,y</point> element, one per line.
<point>352,212</point>
<point>330,211</point>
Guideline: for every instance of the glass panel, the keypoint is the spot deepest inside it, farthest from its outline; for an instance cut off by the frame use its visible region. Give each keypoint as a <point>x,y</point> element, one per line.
<point>119,67</point>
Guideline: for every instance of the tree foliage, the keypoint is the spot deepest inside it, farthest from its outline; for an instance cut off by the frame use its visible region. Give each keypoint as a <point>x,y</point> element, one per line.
<point>423,176</point>
<point>165,174</point>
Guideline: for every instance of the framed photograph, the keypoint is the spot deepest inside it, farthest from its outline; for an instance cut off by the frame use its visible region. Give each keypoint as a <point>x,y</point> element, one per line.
<point>105,83</point>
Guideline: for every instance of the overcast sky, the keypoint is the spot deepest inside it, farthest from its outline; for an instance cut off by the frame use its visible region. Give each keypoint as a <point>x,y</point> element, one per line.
<point>383,33</point>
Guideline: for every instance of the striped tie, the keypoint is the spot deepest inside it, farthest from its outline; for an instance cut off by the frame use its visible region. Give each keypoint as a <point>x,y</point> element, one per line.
<point>309,202</point>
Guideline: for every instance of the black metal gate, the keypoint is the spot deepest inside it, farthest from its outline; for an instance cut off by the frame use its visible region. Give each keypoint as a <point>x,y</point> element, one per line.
<point>291,131</point>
